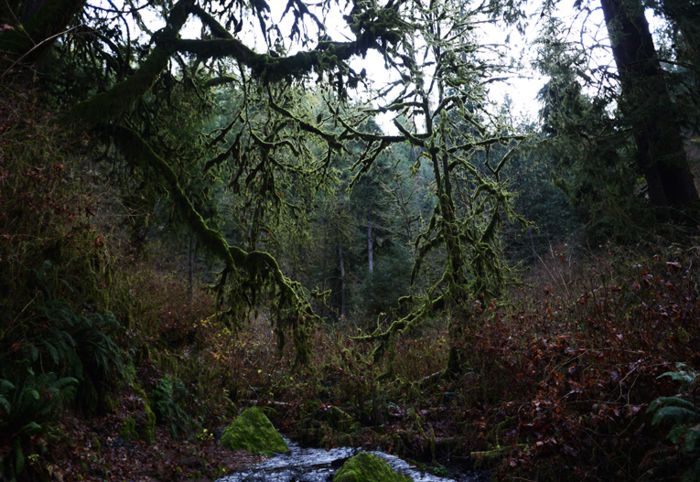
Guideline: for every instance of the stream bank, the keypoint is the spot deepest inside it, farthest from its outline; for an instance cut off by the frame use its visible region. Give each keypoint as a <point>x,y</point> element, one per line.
<point>319,465</point>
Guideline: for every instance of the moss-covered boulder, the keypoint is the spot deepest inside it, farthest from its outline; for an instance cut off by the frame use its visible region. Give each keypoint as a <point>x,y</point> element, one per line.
<point>365,467</point>
<point>140,421</point>
<point>252,431</point>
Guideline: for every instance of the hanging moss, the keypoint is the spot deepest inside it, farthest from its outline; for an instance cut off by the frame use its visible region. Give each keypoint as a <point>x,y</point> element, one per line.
<point>252,431</point>
<point>365,467</point>
<point>112,105</point>
<point>260,269</point>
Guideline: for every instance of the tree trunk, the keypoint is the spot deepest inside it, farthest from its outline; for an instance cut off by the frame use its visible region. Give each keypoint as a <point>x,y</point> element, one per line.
<point>341,269</point>
<point>191,251</point>
<point>457,295</point>
<point>40,22</point>
<point>647,104</point>
<point>370,246</point>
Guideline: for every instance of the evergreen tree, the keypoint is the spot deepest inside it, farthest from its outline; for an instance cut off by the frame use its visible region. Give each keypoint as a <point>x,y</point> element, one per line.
<point>647,106</point>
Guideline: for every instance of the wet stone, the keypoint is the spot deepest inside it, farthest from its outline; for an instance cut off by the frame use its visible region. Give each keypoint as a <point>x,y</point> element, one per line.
<point>319,465</point>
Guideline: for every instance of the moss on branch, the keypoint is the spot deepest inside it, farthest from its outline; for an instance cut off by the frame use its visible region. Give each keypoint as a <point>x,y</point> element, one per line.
<point>120,100</point>
<point>382,337</point>
<point>269,68</point>
<point>261,269</point>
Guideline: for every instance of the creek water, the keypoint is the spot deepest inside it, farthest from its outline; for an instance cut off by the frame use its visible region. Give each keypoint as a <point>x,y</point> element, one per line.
<point>319,465</point>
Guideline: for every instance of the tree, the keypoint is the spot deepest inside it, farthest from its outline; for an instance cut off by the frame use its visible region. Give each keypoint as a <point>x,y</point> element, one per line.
<point>586,144</point>
<point>647,105</point>
<point>439,97</point>
<point>116,106</point>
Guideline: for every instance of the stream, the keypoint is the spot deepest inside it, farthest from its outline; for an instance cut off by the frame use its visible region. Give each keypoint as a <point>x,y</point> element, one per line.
<point>319,465</point>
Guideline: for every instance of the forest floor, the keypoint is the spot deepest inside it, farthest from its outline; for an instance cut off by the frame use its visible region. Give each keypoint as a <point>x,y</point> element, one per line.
<point>559,381</point>
<point>92,450</point>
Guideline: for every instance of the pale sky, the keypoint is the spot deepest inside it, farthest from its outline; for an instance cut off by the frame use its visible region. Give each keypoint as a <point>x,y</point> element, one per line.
<point>523,84</point>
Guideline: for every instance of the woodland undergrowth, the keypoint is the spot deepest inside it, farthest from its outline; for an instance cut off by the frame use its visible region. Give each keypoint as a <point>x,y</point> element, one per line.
<point>109,369</point>
<point>558,379</point>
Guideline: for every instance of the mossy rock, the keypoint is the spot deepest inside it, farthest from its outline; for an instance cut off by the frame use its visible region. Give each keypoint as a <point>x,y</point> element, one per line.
<point>252,431</point>
<point>128,429</point>
<point>140,423</point>
<point>365,467</point>
<point>141,426</point>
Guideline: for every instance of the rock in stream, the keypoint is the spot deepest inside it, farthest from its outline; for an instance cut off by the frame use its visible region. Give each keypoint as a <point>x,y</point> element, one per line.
<point>319,465</point>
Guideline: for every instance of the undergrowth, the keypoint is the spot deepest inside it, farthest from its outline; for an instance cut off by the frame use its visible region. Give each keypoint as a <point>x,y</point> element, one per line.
<point>558,381</point>
<point>57,337</point>
<point>564,379</point>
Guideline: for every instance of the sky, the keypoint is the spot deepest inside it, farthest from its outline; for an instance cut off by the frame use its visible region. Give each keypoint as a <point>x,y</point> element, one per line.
<point>522,84</point>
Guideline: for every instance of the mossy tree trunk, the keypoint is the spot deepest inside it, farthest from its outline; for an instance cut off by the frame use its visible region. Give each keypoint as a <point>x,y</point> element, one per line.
<point>455,277</point>
<point>440,119</point>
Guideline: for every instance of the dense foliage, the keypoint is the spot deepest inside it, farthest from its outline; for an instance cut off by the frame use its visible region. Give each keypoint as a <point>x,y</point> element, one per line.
<point>185,186</point>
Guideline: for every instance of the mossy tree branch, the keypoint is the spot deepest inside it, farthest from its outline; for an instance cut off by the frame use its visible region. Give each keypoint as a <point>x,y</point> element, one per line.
<point>112,105</point>
<point>269,68</point>
<point>293,311</point>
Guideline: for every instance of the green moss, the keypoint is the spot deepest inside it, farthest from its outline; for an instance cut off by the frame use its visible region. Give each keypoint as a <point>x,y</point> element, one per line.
<point>128,430</point>
<point>253,431</point>
<point>148,429</point>
<point>142,424</point>
<point>365,467</point>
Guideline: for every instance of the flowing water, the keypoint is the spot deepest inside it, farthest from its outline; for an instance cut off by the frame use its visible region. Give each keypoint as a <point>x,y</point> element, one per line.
<point>319,465</point>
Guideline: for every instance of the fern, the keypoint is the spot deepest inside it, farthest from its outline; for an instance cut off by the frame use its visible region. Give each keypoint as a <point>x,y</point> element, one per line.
<point>167,397</point>
<point>29,404</point>
<point>55,357</point>
<point>81,346</point>
<point>5,387</point>
<point>681,414</point>
<point>682,374</point>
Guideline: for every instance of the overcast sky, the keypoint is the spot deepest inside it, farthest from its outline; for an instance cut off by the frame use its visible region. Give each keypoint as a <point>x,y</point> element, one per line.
<point>522,86</point>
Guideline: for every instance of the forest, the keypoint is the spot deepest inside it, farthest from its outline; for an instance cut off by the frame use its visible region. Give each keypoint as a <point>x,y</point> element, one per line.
<point>337,216</point>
